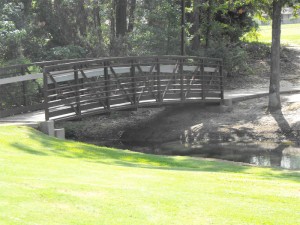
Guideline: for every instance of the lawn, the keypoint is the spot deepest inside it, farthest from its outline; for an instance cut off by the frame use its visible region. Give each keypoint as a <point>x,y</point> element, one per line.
<point>290,34</point>
<point>48,181</point>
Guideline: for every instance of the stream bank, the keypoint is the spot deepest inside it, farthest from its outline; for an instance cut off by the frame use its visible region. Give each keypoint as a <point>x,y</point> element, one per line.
<point>246,131</point>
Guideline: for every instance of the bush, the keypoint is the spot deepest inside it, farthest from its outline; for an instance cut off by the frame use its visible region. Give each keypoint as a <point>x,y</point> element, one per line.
<point>65,52</point>
<point>257,51</point>
<point>234,57</point>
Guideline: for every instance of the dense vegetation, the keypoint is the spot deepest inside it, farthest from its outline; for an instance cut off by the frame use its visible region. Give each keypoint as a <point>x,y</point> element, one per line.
<point>45,30</point>
<point>48,181</point>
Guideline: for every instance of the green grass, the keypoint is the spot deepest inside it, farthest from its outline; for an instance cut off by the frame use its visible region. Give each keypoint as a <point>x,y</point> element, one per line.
<point>48,181</point>
<point>290,34</point>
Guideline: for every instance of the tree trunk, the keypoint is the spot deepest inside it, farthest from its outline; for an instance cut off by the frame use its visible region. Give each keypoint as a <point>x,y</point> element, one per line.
<point>182,48</point>
<point>112,26</point>
<point>121,17</point>
<point>27,8</point>
<point>113,20</point>
<point>97,20</point>
<point>81,18</point>
<point>274,90</point>
<point>131,18</point>
<point>208,24</point>
<point>196,26</point>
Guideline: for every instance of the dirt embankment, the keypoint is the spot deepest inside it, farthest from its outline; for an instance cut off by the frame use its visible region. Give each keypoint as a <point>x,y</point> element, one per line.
<point>248,121</point>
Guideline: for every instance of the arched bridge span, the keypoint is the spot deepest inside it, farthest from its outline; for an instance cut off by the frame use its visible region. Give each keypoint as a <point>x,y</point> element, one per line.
<point>77,89</point>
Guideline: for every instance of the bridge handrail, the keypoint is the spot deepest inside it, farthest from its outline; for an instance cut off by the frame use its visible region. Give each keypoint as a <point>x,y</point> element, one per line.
<point>85,63</point>
<point>22,69</point>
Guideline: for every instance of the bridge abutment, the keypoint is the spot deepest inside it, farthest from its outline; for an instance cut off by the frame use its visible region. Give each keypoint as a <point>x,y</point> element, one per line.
<point>47,127</point>
<point>226,105</point>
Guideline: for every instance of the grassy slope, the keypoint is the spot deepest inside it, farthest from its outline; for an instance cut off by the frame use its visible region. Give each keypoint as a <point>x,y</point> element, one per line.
<point>47,181</point>
<point>290,34</point>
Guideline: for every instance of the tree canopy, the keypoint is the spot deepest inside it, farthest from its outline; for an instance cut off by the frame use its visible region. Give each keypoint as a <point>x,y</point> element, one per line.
<point>57,29</point>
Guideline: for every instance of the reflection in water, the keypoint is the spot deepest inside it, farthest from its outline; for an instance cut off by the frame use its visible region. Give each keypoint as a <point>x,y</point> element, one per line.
<point>290,162</point>
<point>267,154</point>
<point>260,160</point>
<point>286,161</point>
<point>260,154</point>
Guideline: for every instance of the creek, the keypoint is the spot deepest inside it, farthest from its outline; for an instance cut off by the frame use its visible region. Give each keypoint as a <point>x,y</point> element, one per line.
<point>266,154</point>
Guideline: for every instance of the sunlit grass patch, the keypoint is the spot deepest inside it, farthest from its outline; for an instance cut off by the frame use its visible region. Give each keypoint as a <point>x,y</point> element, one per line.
<point>290,34</point>
<point>48,181</point>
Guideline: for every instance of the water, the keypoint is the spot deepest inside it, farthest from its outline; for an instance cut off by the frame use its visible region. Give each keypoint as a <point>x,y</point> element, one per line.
<point>260,154</point>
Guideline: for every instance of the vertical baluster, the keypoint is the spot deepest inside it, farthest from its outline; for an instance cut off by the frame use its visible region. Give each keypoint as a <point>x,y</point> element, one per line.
<point>77,92</point>
<point>181,80</point>
<point>159,99</point>
<point>202,78</point>
<point>107,85</point>
<point>24,88</point>
<point>221,78</point>
<point>46,99</point>
<point>133,83</point>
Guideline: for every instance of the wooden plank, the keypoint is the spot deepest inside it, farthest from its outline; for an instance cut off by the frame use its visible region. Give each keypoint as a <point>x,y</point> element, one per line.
<point>22,78</point>
<point>62,111</point>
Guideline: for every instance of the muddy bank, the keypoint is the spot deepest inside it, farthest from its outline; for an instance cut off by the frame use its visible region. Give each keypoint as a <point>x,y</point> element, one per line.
<point>247,122</point>
<point>245,134</point>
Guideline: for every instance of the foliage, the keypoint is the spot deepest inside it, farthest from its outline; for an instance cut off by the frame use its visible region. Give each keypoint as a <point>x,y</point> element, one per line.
<point>158,29</point>
<point>234,56</point>
<point>257,50</point>
<point>65,52</point>
<point>11,32</point>
<point>44,30</point>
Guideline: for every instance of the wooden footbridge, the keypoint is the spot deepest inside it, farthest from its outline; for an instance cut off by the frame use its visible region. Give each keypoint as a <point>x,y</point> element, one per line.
<point>72,89</point>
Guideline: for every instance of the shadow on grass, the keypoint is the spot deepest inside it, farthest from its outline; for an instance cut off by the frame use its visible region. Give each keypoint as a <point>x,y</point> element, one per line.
<point>95,154</point>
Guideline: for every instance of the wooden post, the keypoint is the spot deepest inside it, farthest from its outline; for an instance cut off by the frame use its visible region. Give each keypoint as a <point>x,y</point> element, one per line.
<point>24,87</point>
<point>45,89</point>
<point>107,85</point>
<point>77,92</point>
<point>182,97</point>
<point>133,83</point>
<point>202,78</point>
<point>221,79</point>
<point>159,99</point>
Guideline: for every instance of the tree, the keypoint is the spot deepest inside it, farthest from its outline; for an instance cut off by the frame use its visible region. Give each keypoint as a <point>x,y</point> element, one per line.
<point>131,19</point>
<point>121,17</point>
<point>274,89</point>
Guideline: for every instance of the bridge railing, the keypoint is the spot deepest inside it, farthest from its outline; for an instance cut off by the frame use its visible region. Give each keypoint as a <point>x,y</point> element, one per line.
<point>21,87</point>
<point>77,89</point>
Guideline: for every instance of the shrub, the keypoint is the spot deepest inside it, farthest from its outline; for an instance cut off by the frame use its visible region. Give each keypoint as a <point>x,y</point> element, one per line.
<point>65,52</point>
